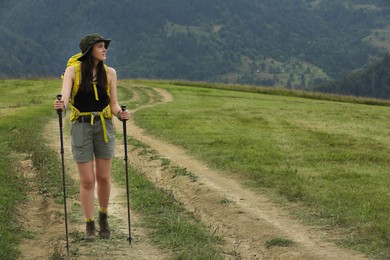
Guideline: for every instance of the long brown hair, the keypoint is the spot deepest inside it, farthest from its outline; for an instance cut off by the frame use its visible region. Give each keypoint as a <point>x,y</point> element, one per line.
<point>87,77</point>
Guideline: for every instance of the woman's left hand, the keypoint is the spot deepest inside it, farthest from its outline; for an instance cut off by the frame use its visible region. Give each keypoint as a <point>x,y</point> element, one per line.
<point>123,115</point>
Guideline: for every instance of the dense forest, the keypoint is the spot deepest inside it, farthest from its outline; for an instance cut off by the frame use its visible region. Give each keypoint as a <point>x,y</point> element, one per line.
<point>295,44</point>
<point>371,81</point>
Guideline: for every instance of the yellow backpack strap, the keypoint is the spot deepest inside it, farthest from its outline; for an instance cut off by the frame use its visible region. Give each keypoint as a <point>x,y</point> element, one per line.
<point>95,87</point>
<point>77,81</point>
<point>104,127</point>
<point>108,80</point>
<point>106,113</point>
<point>95,90</point>
<point>75,113</point>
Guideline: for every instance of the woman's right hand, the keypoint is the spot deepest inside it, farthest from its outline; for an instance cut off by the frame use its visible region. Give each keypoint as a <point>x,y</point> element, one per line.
<point>59,105</point>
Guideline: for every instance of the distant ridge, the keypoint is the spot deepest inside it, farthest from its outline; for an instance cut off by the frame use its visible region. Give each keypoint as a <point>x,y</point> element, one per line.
<point>294,44</point>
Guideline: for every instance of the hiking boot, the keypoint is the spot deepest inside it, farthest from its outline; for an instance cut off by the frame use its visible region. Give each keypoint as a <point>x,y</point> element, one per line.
<point>90,232</point>
<point>104,231</point>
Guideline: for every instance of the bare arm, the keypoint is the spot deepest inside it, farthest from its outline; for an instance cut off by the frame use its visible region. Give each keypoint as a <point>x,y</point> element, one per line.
<point>115,107</point>
<point>67,85</point>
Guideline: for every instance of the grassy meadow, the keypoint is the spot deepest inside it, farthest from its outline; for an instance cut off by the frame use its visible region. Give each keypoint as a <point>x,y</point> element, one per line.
<point>326,155</point>
<point>331,158</point>
<point>24,109</point>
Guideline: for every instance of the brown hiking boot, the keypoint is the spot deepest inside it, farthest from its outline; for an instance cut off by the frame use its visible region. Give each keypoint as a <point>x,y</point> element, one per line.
<point>90,232</point>
<point>104,231</point>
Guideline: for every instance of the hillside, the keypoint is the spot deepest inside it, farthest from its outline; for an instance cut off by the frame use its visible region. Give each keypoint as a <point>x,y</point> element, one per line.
<point>268,176</point>
<point>372,81</point>
<point>276,43</point>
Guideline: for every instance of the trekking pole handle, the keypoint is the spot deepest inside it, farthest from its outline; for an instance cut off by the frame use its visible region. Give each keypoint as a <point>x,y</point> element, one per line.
<point>59,111</point>
<point>59,96</point>
<point>123,108</point>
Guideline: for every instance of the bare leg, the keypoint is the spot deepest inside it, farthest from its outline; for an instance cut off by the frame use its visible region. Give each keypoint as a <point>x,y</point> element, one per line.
<point>87,187</point>
<point>103,167</point>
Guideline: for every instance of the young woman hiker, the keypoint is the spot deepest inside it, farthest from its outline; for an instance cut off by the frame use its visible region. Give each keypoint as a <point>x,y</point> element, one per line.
<point>91,89</point>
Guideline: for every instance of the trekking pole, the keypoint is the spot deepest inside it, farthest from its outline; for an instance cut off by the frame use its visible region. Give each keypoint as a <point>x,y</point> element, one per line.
<point>59,112</point>
<point>127,175</point>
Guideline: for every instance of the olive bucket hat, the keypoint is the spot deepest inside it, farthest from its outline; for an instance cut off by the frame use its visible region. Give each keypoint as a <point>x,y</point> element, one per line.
<point>88,41</point>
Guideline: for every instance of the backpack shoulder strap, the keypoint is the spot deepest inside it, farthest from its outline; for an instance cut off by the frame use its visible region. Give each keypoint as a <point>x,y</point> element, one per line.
<point>77,81</point>
<point>108,80</point>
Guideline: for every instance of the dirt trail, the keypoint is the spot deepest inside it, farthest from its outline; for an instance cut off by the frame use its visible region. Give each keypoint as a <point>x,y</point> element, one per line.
<point>45,218</point>
<point>244,219</point>
<point>247,221</point>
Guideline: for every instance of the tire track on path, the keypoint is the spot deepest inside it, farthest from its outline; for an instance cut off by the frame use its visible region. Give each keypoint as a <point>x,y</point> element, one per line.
<point>47,222</point>
<point>247,221</point>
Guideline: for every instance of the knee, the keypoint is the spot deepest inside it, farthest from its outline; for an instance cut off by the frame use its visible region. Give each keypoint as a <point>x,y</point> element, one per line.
<point>87,184</point>
<point>105,179</point>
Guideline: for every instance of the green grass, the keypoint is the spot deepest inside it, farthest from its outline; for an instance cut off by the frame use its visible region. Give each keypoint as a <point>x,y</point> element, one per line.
<point>134,95</point>
<point>172,227</point>
<point>25,107</point>
<point>328,154</point>
<point>276,91</point>
<point>330,157</point>
<point>181,171</point>
<point>280,242</point>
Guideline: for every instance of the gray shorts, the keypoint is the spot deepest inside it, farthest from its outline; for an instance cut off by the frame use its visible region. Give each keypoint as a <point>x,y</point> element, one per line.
<point>88,141</point>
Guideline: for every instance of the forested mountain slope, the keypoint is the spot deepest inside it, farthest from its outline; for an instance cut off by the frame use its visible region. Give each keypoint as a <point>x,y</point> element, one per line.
<point>285,43</point>
<point>372,81</point>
